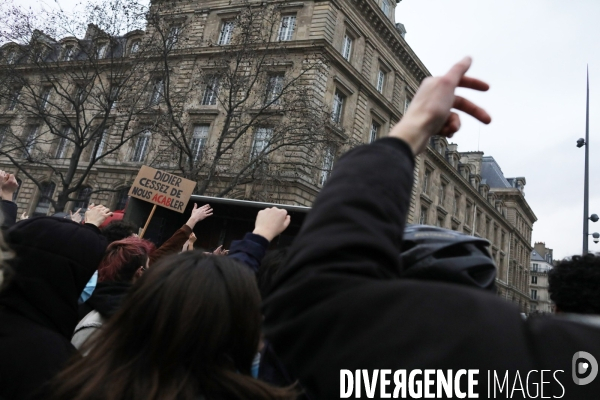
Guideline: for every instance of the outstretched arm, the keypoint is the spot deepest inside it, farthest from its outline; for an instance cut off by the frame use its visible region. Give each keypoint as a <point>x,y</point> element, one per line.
<point>333,305</point>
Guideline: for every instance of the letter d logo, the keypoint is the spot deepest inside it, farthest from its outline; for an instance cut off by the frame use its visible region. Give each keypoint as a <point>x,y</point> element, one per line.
<point>580,368</point>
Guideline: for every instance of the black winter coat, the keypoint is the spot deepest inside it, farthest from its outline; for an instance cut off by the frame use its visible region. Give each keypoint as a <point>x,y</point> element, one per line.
<point>54,259</point>
<point>340,302</point>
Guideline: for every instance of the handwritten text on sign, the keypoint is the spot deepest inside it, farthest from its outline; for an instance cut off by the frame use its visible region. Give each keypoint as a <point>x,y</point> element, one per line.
<point>162,188</point>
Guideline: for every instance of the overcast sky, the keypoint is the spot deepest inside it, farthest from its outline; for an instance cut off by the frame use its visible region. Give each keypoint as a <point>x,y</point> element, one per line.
<point>534,55</point>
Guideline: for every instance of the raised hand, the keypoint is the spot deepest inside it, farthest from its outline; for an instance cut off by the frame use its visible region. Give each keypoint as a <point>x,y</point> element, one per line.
<point>270,222</point>
<point>220,251</point>
<point>198,214</point>
<point>430,112</point>
<point>77,216</point>
<point>96,215</point>
<point>8,185</point>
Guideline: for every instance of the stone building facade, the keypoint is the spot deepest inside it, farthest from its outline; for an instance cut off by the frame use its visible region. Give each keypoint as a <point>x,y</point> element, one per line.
<point>368,84</point>
<point>467,192</point>
<point>541,264</point>
<point>370,79</point>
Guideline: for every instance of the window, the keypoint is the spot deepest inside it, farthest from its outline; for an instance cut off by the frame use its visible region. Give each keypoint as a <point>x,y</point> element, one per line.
<point>380,80</point>
<point>199,138</point>
<point>426,179</point>
<point>4,130</point>
<point>68,53</point>
<point>534,280</point>
<point>274,89</point>
<point>440,222</point>
<point>30,141</point>
<point>374,131</point>
<point>11,56</point>
<point>79,96</point>
<point>407,104</point>
<point>102,50</point>
<point>101,141</point>
<point>442,193</point>
<point>502,235</point>
<point>533,294</point>
<point>347,47</point>
<point>44,203</point>
<point>14,99</point>
<point>142,144</point>
<point>83,199</point>
<point>210,92</point>
<point>423,216</point>
<point>385,7</point>
<point>173,36</point>
<point>287,27</point>
<point>45,98</point>
<point>469,212</point>
<point>455,204</point>
<point>327,166</point>
<point>226,33</point>
<point>157,92</point>
<point>261,141</point>
<point>135,46</point>
<point>338,107</point>
<point>63,143</point>
<point>535,268</point>
<point>113,97</point>
<point>121,198</point>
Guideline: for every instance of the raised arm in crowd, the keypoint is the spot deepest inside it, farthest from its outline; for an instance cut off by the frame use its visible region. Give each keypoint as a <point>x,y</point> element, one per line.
<point>341,304</point>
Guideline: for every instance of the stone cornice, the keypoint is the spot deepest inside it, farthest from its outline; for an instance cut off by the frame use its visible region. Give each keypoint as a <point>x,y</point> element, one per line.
<point>390,35</point>
<point>441,161</point>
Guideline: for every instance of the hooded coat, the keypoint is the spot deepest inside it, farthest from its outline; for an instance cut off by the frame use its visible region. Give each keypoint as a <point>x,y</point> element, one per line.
<point>54,259</point>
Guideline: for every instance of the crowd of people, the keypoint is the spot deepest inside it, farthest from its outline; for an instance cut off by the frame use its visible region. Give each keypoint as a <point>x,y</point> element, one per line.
<point>89,310</point>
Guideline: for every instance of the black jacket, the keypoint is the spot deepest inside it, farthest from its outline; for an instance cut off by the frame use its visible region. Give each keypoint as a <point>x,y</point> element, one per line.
<point>340,302</point>
<point>54,259</point>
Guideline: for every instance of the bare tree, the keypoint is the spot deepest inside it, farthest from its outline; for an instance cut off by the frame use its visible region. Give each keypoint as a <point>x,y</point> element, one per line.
<point>252,90</point>
<point>74,87</point>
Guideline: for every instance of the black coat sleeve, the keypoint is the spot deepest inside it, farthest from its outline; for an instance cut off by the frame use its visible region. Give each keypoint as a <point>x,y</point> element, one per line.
<point>9,214</point>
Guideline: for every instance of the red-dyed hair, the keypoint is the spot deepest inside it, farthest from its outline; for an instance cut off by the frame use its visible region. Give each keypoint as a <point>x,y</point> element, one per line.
<point>123,258</point>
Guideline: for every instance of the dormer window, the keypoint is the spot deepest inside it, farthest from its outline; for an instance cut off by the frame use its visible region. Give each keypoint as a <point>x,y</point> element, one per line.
<point>68,52</point>
<point>385,7</point>
<point>135,46</point>
<point>102,50</point>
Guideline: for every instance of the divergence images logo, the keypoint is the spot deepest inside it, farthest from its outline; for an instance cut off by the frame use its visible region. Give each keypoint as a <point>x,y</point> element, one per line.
<point>584,364</point>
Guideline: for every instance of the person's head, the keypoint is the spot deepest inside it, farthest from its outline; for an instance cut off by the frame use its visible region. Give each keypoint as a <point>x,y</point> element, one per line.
<point>124,260</point>
<point>118,230</point>
<point>574,283</point>
<point>53,260</point>
<point>189,328</point>
<point>269,269</point>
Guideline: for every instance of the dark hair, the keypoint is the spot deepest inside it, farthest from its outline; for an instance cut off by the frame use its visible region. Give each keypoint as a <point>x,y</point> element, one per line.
<point>574,285</point>
<point>118,230</point>
<point>269,269</point>
<point>123,258</point>
<point>189,328</point>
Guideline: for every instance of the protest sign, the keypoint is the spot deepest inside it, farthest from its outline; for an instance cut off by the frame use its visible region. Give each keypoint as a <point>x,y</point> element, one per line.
<point>161,189</point>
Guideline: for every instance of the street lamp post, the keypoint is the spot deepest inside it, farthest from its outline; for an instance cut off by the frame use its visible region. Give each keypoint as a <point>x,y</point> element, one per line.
<point>586,195</point>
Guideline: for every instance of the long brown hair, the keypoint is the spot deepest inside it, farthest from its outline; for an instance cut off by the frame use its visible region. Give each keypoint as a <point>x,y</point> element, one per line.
<point>189,329</point>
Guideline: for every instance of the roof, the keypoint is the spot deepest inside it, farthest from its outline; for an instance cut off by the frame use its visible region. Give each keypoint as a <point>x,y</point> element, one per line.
<point>535,256</point>
<point>491,172</point>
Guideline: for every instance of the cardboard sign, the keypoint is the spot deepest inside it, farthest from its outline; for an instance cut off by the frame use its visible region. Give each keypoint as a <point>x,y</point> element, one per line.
<point>162,189</point>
